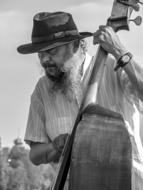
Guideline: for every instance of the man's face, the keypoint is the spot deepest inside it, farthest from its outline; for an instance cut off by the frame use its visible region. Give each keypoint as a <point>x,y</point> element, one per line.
<point>62,65</point>
<point>53,60</point>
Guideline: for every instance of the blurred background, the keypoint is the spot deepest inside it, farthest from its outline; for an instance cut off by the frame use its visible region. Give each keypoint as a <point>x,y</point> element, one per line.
<point>19,73</point>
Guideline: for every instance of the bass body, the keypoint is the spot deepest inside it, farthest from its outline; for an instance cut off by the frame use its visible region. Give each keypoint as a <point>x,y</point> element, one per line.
<point>101,154</point>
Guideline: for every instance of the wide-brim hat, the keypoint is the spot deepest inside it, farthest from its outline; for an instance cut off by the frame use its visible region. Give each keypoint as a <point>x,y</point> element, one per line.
<point>51,30</point>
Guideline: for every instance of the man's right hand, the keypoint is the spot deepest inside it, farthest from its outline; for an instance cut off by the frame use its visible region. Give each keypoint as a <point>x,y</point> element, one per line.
<point>42,153</point>
<point>59,142</point>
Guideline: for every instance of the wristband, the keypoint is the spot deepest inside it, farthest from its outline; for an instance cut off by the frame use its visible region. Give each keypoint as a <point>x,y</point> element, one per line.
<point>123,60</point>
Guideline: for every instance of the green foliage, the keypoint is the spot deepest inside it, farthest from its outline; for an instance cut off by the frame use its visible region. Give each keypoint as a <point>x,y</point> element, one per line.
<point>18,173</point>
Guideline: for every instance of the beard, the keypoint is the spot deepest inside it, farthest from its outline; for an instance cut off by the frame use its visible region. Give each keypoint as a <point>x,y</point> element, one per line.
<point>66,78</point>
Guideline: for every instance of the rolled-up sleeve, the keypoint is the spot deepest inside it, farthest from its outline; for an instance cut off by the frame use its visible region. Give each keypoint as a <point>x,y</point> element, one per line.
<point>130,91</point>
<point>36,131</point>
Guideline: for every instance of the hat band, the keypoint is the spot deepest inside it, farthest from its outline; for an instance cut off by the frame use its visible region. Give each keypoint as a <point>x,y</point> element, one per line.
<point>54,36</point>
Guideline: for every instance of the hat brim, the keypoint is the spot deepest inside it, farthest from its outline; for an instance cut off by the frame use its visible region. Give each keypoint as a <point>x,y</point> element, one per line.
<point>36,47</point>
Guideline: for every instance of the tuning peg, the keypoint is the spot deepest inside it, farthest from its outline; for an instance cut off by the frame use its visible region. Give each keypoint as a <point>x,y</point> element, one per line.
<point>136,7</point>
<point>134,4</point>
<point>137,20</point>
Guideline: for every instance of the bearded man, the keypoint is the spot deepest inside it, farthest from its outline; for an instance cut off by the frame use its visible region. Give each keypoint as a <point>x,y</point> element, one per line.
<point>57,96</point>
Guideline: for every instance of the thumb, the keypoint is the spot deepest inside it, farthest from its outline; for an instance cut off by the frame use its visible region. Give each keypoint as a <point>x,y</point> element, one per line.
<point>66,137</point>
<point>96,37</point>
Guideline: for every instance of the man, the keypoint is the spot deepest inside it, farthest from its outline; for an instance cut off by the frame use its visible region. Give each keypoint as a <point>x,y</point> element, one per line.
<point>57,95</point>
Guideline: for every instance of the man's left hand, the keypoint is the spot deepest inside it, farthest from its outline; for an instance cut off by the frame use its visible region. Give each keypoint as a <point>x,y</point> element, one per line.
<point>109,40</point>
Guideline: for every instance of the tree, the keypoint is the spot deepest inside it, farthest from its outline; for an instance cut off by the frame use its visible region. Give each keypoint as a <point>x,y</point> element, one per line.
<point>18,173</point>
<point>1,167</point>
<point>4,152</point>
<point>17,177</point>
<point>28,174</point>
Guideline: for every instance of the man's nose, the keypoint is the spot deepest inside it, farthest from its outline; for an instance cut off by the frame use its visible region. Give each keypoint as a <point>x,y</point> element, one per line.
<point>44,56</point>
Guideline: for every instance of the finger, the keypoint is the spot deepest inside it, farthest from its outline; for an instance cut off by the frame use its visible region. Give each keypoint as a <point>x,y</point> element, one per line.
<point>95,41</point>
<point>96,37</point>
<point>97,33</point>
<point>99,38</point>
<point>57,157</point>
<point>106,29</point>
<point>102,27</point>
<point>58,142</point>
<point>56,146</point>
<point>64,136</point>
<point>102,37</point>
<point>62,139</point>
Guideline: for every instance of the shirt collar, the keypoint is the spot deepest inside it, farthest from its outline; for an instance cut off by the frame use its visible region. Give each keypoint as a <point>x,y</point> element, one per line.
<point>86,64</point>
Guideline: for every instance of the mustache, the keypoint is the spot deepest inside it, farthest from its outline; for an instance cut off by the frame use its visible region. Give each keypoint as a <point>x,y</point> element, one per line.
<point>52,65</point>
<point>48,64</point>
<point>54,72</point>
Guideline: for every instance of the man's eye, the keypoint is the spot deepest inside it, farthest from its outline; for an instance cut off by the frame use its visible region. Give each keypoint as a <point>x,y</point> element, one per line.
<point>44,66</point>
<point>53,52</point>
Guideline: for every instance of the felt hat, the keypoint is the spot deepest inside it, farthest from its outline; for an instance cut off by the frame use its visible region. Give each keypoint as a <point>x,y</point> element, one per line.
<point>51,30</point>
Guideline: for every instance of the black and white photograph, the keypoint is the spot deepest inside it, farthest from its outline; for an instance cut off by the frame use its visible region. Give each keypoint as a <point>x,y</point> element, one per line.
<point>71,98</point>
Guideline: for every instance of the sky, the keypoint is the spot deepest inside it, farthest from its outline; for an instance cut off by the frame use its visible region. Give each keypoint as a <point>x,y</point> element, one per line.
<point>19,73</point>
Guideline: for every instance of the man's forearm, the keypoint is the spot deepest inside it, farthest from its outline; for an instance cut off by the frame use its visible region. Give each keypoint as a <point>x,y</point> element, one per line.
<point>132,69</point>
<point>135,74</point>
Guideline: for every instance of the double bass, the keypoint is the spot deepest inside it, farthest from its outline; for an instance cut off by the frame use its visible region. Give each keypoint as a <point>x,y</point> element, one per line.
<point>98,151</point>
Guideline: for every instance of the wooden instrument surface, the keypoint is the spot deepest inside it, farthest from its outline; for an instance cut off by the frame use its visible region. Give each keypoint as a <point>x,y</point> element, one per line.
<point>101,154</point>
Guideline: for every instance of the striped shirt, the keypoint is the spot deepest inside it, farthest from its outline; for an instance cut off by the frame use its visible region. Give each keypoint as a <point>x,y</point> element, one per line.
<point>50,116</point>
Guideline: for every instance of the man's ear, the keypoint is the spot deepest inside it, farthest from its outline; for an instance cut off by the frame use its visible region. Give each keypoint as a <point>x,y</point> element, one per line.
<point>75,49</point>
<point>75,45</point>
